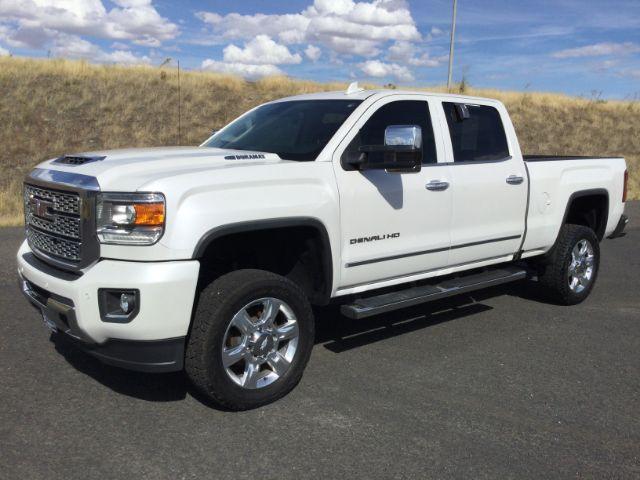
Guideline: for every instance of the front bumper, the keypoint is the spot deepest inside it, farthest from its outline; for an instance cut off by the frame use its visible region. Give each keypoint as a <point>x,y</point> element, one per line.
<point>152,341</point>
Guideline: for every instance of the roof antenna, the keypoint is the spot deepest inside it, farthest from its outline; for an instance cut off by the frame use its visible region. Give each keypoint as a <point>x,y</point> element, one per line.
<point>353,88</point>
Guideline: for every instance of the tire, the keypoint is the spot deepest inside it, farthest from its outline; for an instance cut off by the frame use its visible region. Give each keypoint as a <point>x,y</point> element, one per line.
<point>232,319</point>
<point>559,269</point>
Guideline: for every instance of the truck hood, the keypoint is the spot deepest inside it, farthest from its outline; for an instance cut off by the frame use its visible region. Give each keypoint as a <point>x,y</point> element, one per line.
<point>132,169</point>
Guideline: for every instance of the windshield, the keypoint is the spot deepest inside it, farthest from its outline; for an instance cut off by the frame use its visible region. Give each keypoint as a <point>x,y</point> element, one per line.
<point>295,130</point>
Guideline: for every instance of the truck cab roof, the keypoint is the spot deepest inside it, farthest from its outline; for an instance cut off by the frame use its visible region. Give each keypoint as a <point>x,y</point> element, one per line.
<point>363,94</point>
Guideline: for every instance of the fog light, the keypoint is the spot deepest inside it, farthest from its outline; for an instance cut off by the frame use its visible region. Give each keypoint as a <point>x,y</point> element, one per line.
<point>127,302</point>
<point>118,305</point>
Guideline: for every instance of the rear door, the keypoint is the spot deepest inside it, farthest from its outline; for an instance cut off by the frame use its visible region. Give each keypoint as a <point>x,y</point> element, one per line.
<point>488,182</point>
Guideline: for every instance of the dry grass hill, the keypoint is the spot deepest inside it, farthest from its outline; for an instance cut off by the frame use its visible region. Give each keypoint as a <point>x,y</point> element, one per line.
<point>51,107</point>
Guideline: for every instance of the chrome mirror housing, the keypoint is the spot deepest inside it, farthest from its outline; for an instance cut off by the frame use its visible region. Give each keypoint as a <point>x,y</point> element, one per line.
<point>403,136</point>
<point>401,152</point>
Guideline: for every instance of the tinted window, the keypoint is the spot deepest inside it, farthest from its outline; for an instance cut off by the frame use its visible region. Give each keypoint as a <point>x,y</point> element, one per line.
<point>476,132</point>
<point>402,112</point>
<point>295,130</point>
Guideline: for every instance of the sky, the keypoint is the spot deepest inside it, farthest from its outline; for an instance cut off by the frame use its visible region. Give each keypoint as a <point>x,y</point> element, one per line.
<point>579,47</point>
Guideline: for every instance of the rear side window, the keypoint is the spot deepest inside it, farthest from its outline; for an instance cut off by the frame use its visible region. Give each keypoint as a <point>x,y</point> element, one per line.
<point>477,133</point>
<point>400,112</point>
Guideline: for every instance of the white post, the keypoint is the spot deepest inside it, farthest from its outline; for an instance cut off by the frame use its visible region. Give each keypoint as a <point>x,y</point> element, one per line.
<point>453,34</point>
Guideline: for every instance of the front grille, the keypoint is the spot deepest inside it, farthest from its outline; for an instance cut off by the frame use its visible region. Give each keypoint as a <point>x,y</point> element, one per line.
<point>62,201</point>
<point>53,222</point>
<point>61,225</point>
<point>53,245</point>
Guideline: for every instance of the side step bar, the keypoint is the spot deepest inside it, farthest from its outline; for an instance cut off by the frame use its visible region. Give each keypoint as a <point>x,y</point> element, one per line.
<point>387,302</point>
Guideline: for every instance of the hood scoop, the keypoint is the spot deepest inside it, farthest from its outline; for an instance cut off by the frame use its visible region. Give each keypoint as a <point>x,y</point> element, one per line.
<point>77,159</point>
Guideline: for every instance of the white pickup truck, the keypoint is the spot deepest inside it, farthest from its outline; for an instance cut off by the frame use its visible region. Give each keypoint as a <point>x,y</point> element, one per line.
<point>209,259</point>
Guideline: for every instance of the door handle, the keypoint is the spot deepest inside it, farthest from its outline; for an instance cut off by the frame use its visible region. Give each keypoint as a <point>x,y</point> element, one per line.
<point>514,179</point>
<point>437,185</point>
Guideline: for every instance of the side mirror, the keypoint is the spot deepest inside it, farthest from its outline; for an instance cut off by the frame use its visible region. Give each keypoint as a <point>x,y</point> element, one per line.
<point>401,152</point>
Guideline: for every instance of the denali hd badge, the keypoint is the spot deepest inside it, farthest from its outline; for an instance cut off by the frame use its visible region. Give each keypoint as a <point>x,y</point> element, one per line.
<point>373,238</point>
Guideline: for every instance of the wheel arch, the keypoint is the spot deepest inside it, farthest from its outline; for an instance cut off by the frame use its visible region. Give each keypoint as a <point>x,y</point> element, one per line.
<point>590,200</point>
<point>278,226</point>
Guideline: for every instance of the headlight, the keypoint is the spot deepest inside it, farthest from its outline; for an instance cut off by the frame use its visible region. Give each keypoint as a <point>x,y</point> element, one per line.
<point>130,218</point>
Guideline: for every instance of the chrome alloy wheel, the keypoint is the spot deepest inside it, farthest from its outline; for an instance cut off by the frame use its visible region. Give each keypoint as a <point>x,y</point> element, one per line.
<point>260,343</point>
<point>581,268</point>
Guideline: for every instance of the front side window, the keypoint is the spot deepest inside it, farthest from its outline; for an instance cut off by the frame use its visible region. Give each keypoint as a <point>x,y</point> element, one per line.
<point>401,112</point>
<point>294,130</point>
<point>477,133</point>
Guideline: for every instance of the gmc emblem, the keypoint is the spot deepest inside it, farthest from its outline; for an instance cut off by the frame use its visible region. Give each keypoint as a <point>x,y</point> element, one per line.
<point>41,208</point>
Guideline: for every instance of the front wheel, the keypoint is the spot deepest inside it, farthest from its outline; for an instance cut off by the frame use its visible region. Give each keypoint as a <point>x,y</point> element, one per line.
<point>251,338</point>
<point>571,268</point>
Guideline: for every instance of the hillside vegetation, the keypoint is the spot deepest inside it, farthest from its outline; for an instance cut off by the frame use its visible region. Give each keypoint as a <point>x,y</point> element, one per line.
<point>52,107</point>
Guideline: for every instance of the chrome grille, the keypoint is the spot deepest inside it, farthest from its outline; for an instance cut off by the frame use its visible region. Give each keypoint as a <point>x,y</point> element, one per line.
<point>53,245</point>
<point>53,223</point>
<point>62,202</point>
<point>66,226</point>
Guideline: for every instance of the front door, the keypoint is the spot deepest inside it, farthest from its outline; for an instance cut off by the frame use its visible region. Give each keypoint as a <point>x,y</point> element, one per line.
<point>393,226</point>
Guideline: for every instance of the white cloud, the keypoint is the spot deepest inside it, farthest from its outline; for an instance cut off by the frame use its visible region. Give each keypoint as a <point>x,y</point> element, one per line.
<point>32,23</point>
<point>341,29</point>
<point>288,28</point>
<point>337,7</point>
<point>123,57</point>
<point>72,46</point>
<point>425,60</point>
<point>4,52</point>
<point>599,49</point>
<point>242,69</point>
<point>348,46</point>
<point>401,51</point>
<point>258,58</point>
<point>344,26</point>
<point>26,37</point>
<point>378,69</point>
<point>262,50</point>
<point>313,53</point>
<point>322,27</point>
<point>606,65</point>
<point>119,46</point>
<point>406,52</point>
<point>210,17</point>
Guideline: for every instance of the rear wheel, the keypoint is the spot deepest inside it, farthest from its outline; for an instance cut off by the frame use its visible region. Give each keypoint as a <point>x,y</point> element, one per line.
<point>251,339</point>
<point>570,270</point>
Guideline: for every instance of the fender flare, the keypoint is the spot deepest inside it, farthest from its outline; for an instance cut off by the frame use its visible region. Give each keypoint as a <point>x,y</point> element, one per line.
<point>273,224</point>
<point>603,192</point>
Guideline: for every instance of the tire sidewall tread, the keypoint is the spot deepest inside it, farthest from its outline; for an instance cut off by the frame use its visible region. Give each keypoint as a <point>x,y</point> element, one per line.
<point>217,303</point>
<point>554,276</point>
